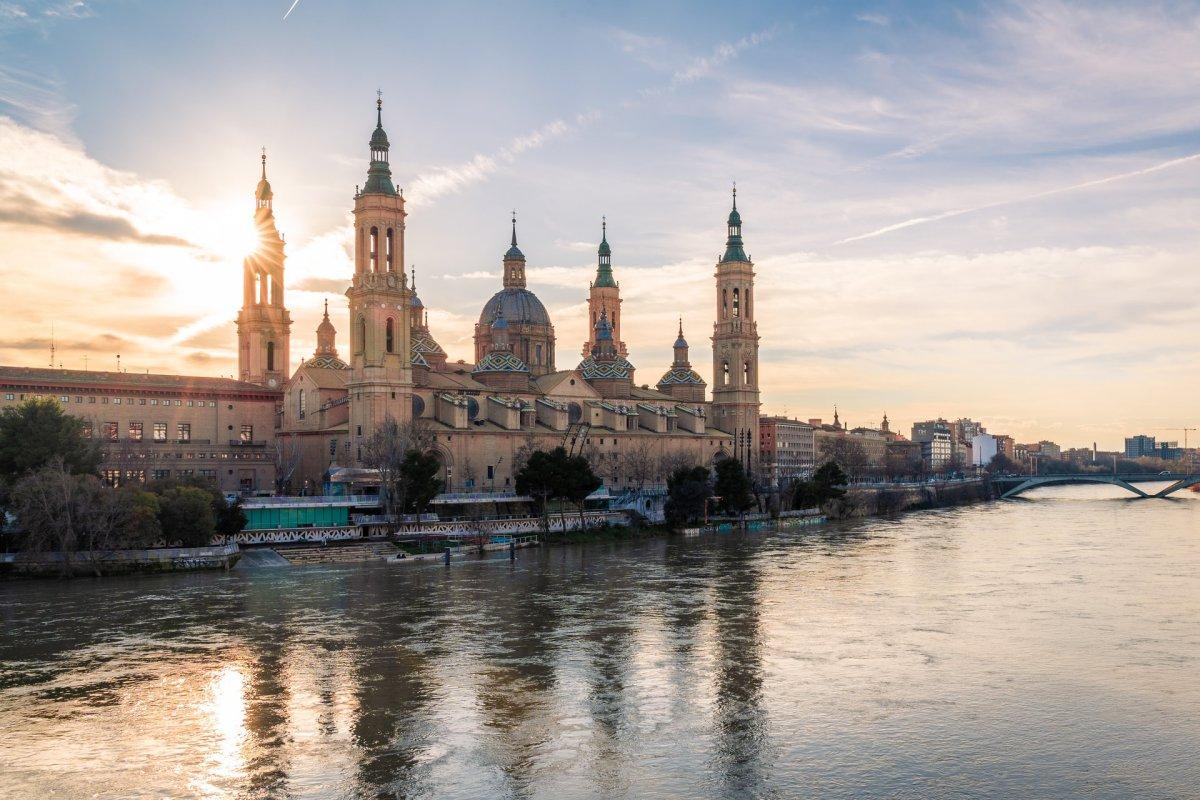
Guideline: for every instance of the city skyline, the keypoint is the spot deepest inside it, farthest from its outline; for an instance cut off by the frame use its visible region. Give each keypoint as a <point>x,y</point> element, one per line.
<point>954,246</point>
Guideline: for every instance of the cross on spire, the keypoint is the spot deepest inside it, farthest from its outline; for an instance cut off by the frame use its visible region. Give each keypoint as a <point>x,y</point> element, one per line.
<point>264,162</point>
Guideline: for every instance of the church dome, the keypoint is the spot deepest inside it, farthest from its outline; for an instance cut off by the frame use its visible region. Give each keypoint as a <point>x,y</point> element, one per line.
<point>326,361</point>
<point>517,306</point>
<point>593,368</point>
<point>681,376</point>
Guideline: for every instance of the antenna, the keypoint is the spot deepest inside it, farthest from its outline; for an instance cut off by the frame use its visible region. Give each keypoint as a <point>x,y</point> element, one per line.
<point>51,345</point>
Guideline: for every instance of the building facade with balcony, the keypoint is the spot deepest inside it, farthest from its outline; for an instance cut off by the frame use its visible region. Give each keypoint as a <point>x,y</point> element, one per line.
<point>786,449</point>
<point>151,427</point>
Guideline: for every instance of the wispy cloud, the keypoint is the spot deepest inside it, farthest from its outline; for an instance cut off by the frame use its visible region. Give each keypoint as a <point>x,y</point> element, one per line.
<point>909,223</point>
<point>440,181</point>
<point>291,8</point>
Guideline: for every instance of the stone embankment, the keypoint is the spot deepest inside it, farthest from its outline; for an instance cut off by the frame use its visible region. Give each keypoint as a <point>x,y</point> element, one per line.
<point>120,562</point>
<point>865,501</point>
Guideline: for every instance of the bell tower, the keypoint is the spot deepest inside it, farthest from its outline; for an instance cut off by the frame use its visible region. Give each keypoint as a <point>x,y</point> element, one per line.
<point>380,381</point>
<point>263,324</point>
<point>604,295</point>
<point>735,346</point>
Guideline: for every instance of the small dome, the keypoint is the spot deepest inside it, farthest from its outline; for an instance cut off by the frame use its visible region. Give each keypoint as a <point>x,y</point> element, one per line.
<point>514,254</point>
<point>416,301</point>
<point>593,368</point>
<point>681,376</point>
<point>379,140</point>
<point>518,306</point>
<point>326,362</point>
<point>681,342</point>
<point>497,361</point>
<point>263,190</point>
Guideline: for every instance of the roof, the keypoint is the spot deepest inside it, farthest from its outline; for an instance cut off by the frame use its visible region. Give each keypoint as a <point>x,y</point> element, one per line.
<point>326,377</point>
<point>326,362</point>
<point>132,381</point>
<point>517,305</point>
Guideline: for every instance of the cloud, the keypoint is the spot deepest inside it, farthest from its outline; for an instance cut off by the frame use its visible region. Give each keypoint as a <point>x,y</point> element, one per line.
<point>320,285</point>
<point>440,181</point>
<point>479,273</point>
<point>874,18</point>
<point>1169,164</point>
<point>27,212</point>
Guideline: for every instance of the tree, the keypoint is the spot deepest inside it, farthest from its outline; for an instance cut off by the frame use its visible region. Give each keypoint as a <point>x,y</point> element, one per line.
<point>186,515</point>
<point>576,481</point>
<point>38,431</point>
<point>67,513</point>
<point>286,456</point>
<point>1003,465</point>
<point>419,480</point>
<point>385,451</point>
<point>849,454</point>
<point>732,486</point>
<point>230,517</point>
<point>139,524</point>
<point>827,483</point>
<point>639,465</point>
<point>538,480</point>
<point>688,492</point>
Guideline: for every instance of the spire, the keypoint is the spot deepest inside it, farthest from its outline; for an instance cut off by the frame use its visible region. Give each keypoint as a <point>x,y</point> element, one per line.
<point>379,174</point>
<point>733,244</point>
<point>681,348</point>
<point>604,275</point>
<point>836,423</point>
<point>326,336</point>
<point>262,192</point>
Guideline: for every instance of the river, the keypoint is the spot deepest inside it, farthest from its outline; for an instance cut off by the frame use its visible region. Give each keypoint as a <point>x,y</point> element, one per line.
<point>1044,647</point>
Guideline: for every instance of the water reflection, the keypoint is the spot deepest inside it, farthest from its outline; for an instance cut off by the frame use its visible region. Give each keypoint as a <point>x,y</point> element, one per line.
<point>1013,649</point>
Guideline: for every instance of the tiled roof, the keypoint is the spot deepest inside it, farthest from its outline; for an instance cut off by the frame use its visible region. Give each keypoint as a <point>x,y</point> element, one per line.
<point>127,381</point>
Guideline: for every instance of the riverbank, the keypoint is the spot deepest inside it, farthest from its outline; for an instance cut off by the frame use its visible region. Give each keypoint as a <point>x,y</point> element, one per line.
<point>877,501</point>
<point>119,562</point>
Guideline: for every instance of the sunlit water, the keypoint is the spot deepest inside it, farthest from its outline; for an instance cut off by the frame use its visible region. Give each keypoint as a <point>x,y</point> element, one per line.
<point>1040,648</point>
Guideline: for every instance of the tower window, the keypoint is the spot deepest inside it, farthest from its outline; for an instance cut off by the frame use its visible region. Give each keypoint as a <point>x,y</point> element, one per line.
<point>746,373</point>
<point>748,312</point>
<point>389,335</point>
<point>390,251</point>
<point>724,303</point>
<point>375,249</point>
<point>724,372</point>
<point>270,356</point>
<point>538,355</point>
<point>303,404</point>
<point>736,305</point>
<point>360,344</point>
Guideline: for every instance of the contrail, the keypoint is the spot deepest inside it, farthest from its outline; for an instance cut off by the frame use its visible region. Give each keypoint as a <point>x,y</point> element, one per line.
<point>960,211</point>
<point>293,8</point>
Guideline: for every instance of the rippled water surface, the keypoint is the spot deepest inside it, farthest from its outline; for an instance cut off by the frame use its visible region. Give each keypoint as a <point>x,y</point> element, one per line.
<point>1040,648</point>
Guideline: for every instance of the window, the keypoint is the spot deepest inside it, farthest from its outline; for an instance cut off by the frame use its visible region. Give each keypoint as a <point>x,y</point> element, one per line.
<point>9,396</point>
<point>184,429</point>
<point>186,473</point>
<point>303,405</point>
<point>160,474</point>
<point>111,476</point>
<point>160,431</point>
<point>178,402</point>
<point>724,303</point>
<point>360,337</point>
<point>141,401</point>
<point>724,372</point>
<point>78,398</point>
<point>154,402</point>
<point>191,403</point>
<point>538,354</point>
<point>116,401</point>
<point>270,360</point>
<point>135,431</point>
<point>389,250</point>
<point>246,434</point>
<point>110,431</point>
<point>209,475</point>
<point>737,306</point>
<point>332,447</point>
<point>746,373</point>
<point>86,430</point>
<point>491,472</point>
<point>104,400</point>
<point>389,336</point>
<point>135,476</point>
<point>62,398</point>
<point>375,249</point>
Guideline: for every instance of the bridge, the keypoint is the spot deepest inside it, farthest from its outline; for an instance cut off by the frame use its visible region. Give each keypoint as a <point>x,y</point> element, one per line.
<point>1012,486</point>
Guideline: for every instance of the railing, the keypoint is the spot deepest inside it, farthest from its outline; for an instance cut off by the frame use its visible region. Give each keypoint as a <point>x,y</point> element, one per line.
<point>247,443</point>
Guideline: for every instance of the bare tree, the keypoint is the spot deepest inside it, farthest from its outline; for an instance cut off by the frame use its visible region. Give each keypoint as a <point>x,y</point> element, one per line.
<point>639,465</point>
<point>286,457</point>
<point>384,451</point>
<point>849,454</point>
<point>671,462</point>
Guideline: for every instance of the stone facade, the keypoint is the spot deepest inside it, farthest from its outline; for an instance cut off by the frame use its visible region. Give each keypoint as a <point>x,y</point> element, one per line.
<point>163,426</point>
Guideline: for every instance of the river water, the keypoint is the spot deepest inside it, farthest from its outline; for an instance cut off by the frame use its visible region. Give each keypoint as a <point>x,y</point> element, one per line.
<point>1046,647</point>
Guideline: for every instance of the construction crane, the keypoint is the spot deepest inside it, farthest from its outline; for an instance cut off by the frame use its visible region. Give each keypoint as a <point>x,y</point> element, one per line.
<point>1185,433</point>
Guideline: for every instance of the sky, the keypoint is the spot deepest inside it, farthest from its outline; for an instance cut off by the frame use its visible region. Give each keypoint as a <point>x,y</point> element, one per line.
<point>982,210</point>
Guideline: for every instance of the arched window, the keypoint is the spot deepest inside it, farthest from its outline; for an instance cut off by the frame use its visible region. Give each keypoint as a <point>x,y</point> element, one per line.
<point>375,249</point>
<point>360,344</point>
<point>737,309</point>
<point>538,356</point>
<point>724,372</point>
<point>303,405</point>
<point>270,356</point>
<point>389,336</point>
<point>724,303</point>
<point>362,244</point>
<point>390,251</point>
<point>746,373</point>
<point>749,313</point>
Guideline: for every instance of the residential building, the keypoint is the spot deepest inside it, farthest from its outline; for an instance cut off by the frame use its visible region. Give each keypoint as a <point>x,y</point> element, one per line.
<point>1140,446</point>
<point>786,449</point>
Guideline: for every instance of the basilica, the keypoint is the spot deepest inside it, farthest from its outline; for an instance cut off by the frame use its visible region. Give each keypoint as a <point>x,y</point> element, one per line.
<point>517,396</point>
